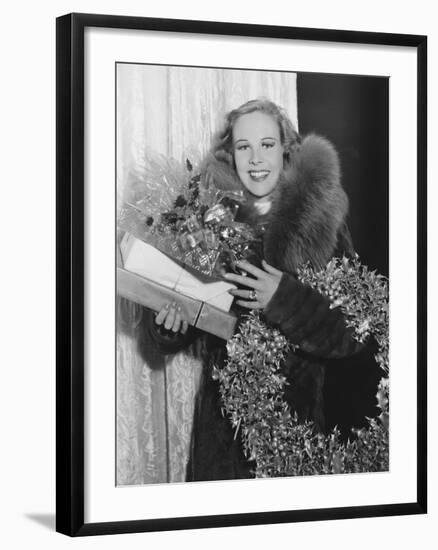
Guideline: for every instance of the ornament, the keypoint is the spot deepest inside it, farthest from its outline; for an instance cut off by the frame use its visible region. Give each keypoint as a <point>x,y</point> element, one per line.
<point>228,233</point>
<point>188,241</point>
<point>215,214</point>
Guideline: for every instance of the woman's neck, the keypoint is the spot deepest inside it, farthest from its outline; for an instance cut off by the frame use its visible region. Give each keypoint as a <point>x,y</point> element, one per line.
<point>263,204</point>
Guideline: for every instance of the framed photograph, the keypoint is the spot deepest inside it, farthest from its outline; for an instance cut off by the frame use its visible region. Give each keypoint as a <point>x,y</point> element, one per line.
<point>241,274</point>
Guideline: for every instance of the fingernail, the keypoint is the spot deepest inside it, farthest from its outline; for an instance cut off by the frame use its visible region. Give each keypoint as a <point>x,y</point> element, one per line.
<point>166,306</point>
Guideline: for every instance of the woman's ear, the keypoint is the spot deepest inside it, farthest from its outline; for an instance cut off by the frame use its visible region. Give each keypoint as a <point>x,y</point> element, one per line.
<point>224,156</point>
<point>291,155</point>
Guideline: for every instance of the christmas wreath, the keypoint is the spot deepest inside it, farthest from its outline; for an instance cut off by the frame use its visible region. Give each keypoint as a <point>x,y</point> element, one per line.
<point>252,384</point>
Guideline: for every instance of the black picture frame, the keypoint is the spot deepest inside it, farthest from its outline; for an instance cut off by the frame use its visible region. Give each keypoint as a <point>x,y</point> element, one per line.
<point>70,272</point>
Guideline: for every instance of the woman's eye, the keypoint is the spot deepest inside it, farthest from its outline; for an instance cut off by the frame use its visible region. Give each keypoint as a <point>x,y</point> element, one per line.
<point>242,147</point>
<point>268,144</point>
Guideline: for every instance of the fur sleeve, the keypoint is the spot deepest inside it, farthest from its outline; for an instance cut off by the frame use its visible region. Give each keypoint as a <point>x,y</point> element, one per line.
<point>305,318</point>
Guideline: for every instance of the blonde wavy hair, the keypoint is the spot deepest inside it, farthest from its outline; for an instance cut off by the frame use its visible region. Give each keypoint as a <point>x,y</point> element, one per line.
<point>222,146</point>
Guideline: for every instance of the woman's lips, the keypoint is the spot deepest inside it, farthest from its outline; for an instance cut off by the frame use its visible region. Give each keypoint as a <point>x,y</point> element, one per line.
<point>258,175</point>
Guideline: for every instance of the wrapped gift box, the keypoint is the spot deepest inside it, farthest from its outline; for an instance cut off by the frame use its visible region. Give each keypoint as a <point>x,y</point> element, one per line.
<point>152,279</point>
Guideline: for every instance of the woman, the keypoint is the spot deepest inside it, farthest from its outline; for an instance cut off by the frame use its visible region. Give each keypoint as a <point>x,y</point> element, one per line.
<point>294,196</point>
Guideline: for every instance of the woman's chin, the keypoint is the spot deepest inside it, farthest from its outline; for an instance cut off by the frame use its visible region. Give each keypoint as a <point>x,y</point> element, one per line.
<point>259,195</point>
<point>259,191</point>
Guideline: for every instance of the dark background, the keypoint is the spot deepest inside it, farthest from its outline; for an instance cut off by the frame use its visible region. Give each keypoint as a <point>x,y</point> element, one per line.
<point>352,112</point>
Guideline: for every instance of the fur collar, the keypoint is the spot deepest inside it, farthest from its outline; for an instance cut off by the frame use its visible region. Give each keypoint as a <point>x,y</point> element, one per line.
<point>308,209</point>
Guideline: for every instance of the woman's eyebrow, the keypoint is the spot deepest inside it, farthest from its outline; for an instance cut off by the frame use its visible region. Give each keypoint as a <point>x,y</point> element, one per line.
<point>266,137</point>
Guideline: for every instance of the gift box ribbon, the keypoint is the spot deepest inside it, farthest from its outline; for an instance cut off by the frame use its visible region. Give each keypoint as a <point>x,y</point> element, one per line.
<point>145,260</point>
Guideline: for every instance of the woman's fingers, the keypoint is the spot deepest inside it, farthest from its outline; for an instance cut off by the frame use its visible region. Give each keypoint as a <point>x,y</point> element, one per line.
<point>241,292</point>
<point>245,281</point>
<point>170,316</point>
<point>179,324</point>
<point>261,275</point>
<point>162,314</point>
<point>265,285</point>
<point>271,269</point>
<point>170,319</point>
<point>246,266</point>
<point>249,305</point>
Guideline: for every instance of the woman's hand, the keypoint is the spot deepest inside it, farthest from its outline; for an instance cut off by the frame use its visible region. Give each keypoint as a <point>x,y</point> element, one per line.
<point>170,317</point>
<point>261,287</point>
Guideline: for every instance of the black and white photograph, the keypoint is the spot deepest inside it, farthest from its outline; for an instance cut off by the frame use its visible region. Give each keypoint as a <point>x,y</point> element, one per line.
<point>252,287</point>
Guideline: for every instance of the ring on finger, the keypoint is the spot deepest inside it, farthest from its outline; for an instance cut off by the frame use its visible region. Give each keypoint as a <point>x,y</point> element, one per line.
<point>252,295</point>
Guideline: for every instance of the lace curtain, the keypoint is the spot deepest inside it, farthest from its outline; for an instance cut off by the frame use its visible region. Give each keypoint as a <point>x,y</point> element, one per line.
<point>172,111</point>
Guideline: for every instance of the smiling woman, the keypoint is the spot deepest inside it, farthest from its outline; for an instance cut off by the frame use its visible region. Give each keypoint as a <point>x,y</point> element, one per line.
<point>294,200</point>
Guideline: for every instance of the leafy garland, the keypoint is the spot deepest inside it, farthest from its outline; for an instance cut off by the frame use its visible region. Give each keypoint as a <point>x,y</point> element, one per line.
<point>252,384</point>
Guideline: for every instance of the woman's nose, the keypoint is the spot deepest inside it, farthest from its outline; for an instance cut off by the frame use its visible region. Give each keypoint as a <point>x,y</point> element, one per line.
<point>255,156</point>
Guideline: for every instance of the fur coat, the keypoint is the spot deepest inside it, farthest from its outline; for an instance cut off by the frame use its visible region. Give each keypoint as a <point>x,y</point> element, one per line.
<point>306,223</point>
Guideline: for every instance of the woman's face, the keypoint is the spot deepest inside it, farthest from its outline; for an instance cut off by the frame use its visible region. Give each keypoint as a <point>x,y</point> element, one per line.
<point>258,152</point>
